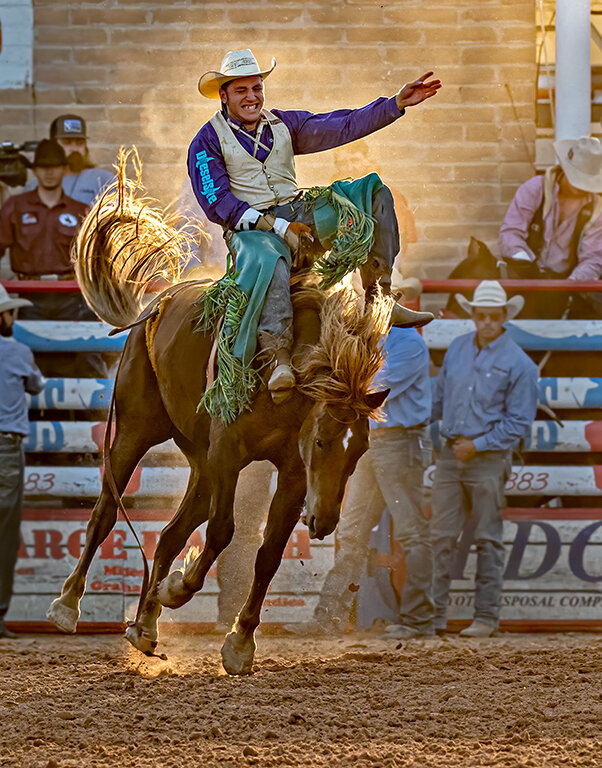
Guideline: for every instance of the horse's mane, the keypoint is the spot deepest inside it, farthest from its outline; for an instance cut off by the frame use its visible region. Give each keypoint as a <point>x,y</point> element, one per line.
<point>341,367</point>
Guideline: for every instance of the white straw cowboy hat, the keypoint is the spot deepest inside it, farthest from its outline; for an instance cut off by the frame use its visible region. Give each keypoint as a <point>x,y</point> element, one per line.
<point>7,303</point>
<point>489,293</point>
<point>234,64</point>
<point>581,161</point>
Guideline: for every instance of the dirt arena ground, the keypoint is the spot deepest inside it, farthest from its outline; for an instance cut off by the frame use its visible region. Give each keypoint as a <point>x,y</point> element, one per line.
<point>508,701</point>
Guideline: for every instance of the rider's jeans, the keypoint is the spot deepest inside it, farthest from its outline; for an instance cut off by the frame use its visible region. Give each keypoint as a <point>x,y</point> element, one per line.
<point>276,319</point>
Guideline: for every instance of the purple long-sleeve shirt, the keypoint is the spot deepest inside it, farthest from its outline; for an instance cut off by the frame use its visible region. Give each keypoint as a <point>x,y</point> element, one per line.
<point>557,237</point>
<point>309,133</point>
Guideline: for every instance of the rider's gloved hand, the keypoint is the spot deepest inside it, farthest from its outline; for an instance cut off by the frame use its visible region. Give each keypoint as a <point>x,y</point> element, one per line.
<point>294,230</point>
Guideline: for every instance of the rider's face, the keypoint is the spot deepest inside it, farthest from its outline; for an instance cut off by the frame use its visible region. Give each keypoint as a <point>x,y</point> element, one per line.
<point>244,99</point>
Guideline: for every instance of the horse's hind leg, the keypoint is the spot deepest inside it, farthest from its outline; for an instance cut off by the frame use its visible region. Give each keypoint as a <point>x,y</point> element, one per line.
<point>143,633</point>
<point>238,649</point>
<point>178,588</point>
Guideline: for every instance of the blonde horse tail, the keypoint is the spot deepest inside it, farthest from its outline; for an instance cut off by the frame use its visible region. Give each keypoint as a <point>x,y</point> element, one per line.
<point>125,242</point>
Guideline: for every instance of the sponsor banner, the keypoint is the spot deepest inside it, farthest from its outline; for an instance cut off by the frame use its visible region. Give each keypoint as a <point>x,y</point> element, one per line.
<point>547,481</point>
<point>82,394</point>
<point>52,540</point>
<point>570,393</point>
<point>73,395</point>
<point>88,437</point>
<point>567,335</point>
<point>549,436</point>
<point>170,482</point>
<point>80,437</point>
<point>553,570</point>
<point>68,336</point>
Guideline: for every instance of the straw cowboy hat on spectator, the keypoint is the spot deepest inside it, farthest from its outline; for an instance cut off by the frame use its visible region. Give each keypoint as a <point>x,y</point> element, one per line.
<point>581,161</point>
<point>234,64</point>
<point>490,294</point>
<point>7,303</point>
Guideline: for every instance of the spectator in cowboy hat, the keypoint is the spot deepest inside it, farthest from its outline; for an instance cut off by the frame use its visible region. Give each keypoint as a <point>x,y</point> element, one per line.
<point>486,398</point>
<point>38,227</point>
<point>82,181</point>
<point>553,227</point>
<point>18,375</point>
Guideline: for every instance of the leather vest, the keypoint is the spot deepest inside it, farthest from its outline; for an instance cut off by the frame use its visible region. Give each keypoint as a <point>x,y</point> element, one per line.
<point>260,184</point>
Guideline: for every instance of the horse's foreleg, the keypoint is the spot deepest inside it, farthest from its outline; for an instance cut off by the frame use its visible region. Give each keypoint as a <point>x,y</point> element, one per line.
<point>193,510</point>
<point>64,612</point>
<point>239,647</point>
<point>177,589</point>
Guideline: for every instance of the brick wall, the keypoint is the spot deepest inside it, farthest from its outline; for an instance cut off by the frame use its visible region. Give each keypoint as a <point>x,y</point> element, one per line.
<point>130,67</point>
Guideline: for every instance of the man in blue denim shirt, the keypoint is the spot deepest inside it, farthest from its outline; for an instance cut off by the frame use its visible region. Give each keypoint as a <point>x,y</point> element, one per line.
<point>390,474</point>
<point>18,374</point>
<point>486,396</point>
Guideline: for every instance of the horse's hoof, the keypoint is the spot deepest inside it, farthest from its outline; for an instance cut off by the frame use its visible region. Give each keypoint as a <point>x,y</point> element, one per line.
<point>136,636</point>
<point>62,616</point>
<point>172,592</point>
<point>238,654</point>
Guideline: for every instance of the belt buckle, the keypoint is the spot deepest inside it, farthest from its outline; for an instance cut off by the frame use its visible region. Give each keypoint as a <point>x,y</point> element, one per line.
<point>49,277</point>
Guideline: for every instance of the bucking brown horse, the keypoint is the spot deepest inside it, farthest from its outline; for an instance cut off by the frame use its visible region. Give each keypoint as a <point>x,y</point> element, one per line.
<point>314,439</point>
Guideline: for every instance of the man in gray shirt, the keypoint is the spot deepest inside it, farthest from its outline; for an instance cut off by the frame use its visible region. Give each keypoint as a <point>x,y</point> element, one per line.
<point>83,181</point>
<point>18,375</point>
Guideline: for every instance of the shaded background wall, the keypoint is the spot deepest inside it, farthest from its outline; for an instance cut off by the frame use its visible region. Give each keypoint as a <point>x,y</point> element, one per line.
<point>131,68</point>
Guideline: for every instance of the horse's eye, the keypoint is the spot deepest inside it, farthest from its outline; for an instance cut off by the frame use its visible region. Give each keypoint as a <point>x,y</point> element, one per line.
<point>319,444</point>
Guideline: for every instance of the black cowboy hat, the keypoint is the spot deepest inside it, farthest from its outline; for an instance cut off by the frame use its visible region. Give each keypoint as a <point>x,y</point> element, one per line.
<point>49,153</point>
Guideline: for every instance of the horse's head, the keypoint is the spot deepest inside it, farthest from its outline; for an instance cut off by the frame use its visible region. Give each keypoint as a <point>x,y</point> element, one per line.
<point>337,372</point>
<point>331,441</point>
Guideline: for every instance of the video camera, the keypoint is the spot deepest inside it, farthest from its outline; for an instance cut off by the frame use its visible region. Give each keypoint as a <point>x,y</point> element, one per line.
<point>14,165</point>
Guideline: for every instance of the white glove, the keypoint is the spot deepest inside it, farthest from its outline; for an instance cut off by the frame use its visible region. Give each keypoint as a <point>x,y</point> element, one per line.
<point>521,256</point>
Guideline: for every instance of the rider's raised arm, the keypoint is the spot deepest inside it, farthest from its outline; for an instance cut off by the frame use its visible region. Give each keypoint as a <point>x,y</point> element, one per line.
<point>211,184</point>
<point>317,132</point>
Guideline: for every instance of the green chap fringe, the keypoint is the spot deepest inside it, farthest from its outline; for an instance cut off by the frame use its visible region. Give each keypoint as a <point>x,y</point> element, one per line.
<point>231,392</point>
<point>352,242</point>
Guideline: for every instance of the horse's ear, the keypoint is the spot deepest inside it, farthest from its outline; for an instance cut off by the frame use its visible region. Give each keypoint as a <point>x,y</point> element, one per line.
<point>375,399</point>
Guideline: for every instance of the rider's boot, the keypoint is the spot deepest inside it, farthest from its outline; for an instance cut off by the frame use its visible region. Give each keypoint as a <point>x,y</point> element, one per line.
<point>375,274</point>
<point>282,379</point>
<point>402,317</point>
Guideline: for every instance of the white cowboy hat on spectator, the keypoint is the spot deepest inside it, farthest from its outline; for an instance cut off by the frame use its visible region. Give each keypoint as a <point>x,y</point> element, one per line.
<point>234,64</point>
<point>489,293</point>
<point>581,161</point>
<point>7,303</point>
